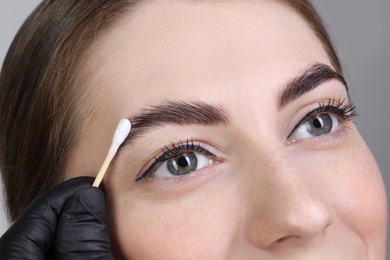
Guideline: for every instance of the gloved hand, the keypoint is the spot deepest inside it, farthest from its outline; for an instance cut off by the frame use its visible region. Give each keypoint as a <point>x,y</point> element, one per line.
<point>67,222</point>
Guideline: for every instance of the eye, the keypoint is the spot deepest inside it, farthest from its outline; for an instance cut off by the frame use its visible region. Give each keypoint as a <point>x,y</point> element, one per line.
<point>324,119</point>
<point>314,126</point>
<point>179,160</point>
<point>182,164</point>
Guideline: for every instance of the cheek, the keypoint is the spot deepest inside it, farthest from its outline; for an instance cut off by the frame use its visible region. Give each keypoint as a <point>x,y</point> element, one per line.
<point>351,184</point>
<point>201,225</point>
<point>362,201</point>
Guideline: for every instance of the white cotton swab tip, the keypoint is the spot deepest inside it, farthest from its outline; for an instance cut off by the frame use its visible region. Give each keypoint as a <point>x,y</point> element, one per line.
<point>121,132</point>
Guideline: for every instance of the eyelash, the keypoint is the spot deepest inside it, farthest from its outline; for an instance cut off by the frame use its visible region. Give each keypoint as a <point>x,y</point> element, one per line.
<point>344,110</point>
<point>174,150</point>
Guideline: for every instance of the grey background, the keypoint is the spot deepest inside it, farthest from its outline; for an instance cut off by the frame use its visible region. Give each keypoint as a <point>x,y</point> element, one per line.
<point>360,30</point>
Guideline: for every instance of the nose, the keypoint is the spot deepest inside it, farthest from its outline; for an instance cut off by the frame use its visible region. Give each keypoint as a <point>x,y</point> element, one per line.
<point>284,205</point>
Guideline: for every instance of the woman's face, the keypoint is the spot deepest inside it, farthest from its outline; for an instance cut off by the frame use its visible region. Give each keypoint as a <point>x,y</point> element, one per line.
<point>242,145</point>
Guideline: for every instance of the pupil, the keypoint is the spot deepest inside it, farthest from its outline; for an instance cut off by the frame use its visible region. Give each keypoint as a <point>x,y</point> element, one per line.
<point>318,123</point>
<point>182,162</point>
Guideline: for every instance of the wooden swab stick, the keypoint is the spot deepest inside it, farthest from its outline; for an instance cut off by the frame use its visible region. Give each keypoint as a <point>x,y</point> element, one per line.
<point>121,132</point>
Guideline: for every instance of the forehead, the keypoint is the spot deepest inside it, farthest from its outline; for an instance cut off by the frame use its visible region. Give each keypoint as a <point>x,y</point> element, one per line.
<point>182,43</point>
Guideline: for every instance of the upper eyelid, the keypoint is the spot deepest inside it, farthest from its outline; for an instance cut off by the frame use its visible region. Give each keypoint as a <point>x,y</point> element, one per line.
<point>180,147</point>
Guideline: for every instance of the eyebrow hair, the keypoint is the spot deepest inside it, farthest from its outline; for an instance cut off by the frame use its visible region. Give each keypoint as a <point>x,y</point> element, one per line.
<point>308,80</point>
<point>176,113</point>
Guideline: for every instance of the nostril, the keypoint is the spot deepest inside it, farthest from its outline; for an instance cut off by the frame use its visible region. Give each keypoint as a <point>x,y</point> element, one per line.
<point>284,239</point>
<point>293,237</point>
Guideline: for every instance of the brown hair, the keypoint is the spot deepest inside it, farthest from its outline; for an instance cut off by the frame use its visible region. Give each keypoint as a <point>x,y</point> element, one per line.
<point>40,98</point>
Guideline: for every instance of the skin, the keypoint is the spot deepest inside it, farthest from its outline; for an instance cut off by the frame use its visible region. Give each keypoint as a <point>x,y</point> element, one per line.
<point>265,195</point>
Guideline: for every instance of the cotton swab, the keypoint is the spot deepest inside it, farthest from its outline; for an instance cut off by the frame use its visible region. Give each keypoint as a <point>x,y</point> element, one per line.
<point>121,132</point>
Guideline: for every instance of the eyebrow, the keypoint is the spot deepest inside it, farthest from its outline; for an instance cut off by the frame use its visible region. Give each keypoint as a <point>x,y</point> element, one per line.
<point>176,113</point>
<point>308,80</point>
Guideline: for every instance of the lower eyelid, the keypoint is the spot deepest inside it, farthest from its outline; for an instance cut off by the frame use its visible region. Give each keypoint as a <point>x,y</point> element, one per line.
<point>335,137</point>
<point>339,133</point>
<point>184,183</point>
<point>166,182</point>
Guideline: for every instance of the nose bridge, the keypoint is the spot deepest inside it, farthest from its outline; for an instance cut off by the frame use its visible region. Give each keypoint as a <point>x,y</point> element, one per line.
<point>284,206</point>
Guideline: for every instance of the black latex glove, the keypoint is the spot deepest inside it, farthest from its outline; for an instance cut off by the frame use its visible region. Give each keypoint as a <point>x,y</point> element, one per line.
<point>67,222</point>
